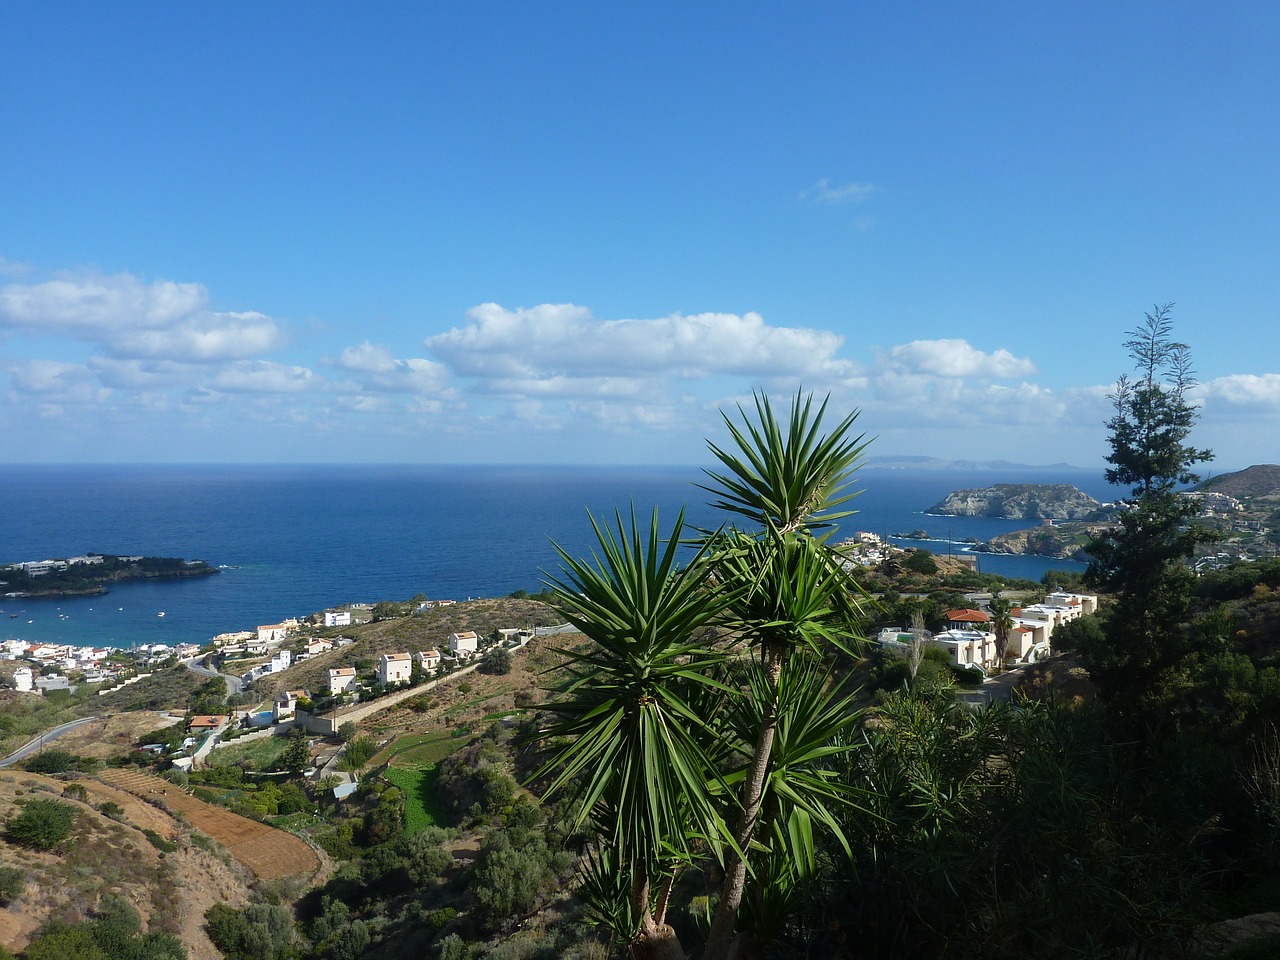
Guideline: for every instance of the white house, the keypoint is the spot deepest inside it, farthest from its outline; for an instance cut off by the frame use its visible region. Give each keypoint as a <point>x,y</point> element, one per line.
<point>283,660</point>
<point>341,679</point>
<point>967,647</point>
<point>337,618</point>
<point>286,705</point>
<point>272,632</point>
<point>428,660</point>
<point>317,645</point>
<point>394,668</point>
<point>465,644</point>
<point>23,681</point>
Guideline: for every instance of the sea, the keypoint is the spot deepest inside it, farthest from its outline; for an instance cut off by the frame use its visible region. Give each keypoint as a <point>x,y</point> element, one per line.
<point>291,540</point>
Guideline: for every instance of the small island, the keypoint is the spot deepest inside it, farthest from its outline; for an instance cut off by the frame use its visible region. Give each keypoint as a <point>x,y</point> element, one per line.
<point>1021,501</point>
<point>90,574</point>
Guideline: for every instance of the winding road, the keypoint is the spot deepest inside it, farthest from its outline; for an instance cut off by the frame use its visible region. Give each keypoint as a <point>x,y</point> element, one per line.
<point>39,742</point>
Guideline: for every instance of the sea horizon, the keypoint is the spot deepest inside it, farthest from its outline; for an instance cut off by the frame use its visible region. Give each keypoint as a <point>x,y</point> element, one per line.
<point>294,539</point>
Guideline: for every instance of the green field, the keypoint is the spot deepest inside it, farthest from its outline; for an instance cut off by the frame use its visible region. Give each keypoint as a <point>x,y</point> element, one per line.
<point>258,754</point>
<point>417,750</point>
<point>422,807</point>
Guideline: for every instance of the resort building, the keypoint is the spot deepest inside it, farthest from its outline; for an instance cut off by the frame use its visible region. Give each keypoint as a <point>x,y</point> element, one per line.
<point>272,633</point>
<point>285,706</point>
<point>337,618</point>
<point>464,645</point>
<point>394,668</point>
<point>341,679</point>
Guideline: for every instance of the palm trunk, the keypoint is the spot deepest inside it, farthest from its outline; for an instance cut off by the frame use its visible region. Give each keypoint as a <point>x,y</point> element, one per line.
<point>720,942</point>
<point>656,941</point>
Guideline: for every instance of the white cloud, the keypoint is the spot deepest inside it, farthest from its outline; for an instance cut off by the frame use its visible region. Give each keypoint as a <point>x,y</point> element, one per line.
<point>383,373</point>
<point>53,381</point>
<point>955,358</point>
<point>564,342</point>
<point>141,374</point>
<point>824,191</point>
<point>261,376</point>
<point>1243,389</point>
<point>130,318</point>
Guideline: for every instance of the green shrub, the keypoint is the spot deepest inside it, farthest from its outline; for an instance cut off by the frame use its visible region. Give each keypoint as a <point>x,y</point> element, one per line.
<point>43,824</point>
<point>51,761</point>
<point>13,883</point>
<point>159,842</point>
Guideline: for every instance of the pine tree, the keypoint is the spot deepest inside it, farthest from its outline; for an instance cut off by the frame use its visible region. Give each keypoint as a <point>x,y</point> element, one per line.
<point>1143,560</point>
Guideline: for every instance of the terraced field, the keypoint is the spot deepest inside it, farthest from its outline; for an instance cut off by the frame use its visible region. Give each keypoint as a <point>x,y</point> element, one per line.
<point>270,853</point>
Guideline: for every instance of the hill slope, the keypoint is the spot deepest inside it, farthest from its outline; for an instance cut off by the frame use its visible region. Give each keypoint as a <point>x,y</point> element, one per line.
<point>1261,481</point>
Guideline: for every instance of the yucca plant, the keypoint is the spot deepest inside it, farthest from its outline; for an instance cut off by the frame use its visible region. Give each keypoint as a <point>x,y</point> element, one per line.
<point>635,738</point>
<point>793,592</point>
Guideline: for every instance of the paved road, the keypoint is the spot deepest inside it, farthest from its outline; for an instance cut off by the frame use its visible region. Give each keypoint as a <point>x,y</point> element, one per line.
<point>997,688</point>
<point>234,685</point>
<point>46,737</point>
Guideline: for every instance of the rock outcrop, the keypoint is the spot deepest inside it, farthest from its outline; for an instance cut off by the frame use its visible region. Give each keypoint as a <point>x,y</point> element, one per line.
<point>1064,541</point>
<point>1021,501</point>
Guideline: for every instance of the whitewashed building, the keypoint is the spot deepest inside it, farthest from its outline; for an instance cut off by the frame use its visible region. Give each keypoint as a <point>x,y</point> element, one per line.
<point>464,645</point>
<point>394,668</point>
<point>341,679</point>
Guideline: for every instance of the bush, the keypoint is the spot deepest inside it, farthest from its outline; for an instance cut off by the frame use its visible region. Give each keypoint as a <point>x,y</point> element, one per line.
<point>497,661</point>
<point>159,842</point>
<point>262,931</point>
<point>51,761</point>
<point>13,884</point>
<point>359,752</point>
<point>42,825</point>
<point>920,561</point>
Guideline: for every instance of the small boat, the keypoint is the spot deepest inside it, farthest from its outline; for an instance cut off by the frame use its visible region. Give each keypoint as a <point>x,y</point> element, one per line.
<point>160,614</point>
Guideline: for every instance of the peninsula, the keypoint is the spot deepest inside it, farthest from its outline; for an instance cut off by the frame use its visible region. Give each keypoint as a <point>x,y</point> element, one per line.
<point>92,573</point>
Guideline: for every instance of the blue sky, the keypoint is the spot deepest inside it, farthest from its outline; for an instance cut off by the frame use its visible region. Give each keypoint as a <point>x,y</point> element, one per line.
<point>571,233</point>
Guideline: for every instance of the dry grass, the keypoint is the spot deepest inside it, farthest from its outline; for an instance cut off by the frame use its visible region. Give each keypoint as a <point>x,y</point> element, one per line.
<point>171,891</point>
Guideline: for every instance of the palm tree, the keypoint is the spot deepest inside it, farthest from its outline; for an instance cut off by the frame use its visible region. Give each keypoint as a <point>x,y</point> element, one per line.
<point>793,592</point>
<point>660,739</point>
<point>631,726</point>
<point>1002,624</point>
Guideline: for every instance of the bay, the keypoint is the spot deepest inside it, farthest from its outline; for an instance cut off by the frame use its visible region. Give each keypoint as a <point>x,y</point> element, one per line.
<point>294,539</point>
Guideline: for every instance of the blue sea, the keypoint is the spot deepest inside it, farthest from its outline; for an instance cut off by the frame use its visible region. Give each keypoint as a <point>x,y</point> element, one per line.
<point>296,539</point>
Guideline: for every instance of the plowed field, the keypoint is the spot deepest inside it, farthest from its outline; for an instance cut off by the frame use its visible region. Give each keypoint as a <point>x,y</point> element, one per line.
<point>270,853</point>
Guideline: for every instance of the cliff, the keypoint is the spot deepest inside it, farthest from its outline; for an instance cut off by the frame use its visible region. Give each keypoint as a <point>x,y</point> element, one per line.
<point>1020,501</point>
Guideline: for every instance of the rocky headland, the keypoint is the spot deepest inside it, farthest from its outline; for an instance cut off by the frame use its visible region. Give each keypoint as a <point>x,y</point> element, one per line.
<point>1021,501</point>
<point>1063,541</point>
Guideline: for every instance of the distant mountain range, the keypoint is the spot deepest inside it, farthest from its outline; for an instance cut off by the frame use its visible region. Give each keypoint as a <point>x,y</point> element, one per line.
<point>936,463</point>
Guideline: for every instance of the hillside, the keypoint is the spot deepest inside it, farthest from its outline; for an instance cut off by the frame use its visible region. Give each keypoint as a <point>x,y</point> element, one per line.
<point>422,631</point>
<point>1020,501</point>
<point>111,854</point>
<point>1259,482</point>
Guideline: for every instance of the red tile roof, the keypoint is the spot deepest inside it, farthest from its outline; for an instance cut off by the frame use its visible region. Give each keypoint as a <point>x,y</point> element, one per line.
<point>968,616</point>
